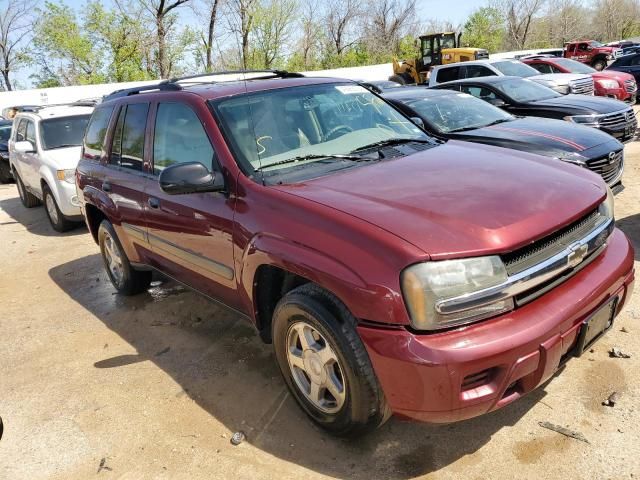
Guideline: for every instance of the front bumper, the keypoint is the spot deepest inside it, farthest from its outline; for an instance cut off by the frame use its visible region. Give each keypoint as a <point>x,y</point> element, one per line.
<point>67,198</point>
<point>422,375</point>
<point>619,93</point>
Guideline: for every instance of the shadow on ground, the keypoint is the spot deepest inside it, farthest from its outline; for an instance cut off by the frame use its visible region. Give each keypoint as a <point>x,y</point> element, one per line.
<point>631,227</point>
<point>33,219</point>
<point>219,361</point>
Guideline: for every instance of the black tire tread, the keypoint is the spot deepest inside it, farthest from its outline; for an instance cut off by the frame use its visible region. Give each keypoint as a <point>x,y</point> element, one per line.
<point>5,172</point>
<point>30,199</point>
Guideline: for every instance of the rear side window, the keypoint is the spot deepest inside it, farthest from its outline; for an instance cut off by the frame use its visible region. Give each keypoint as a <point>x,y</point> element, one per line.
<point>179,137</point>
<point>448,74</point>
<point>127,149</point>
<point>474,71</point>
<point>96,132</point>
<point>479,92</point>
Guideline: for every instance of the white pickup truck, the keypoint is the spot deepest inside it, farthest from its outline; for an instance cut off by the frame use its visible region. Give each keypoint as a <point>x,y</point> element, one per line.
<point>44,151</point>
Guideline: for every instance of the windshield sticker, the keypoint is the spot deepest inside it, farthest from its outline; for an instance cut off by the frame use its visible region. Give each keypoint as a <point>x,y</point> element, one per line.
<point>350,89</point>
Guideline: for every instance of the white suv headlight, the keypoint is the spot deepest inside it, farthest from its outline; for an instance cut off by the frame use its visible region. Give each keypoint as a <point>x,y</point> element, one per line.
<point>606,208</point>
<point>426,284</point>
<point>68,175</point>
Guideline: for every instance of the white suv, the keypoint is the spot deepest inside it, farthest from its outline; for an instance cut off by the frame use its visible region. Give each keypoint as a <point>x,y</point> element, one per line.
<point>44,151</point>
<point>563,83</point>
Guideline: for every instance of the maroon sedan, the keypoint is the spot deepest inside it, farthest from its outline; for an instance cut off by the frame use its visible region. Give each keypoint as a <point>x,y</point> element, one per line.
<point>393,272</point>
<point>607,83</point>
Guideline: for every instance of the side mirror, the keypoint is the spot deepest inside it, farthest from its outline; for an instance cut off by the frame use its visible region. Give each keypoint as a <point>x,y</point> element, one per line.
<point>497,102</point>
<point>191,177</point>
<point>24,147</point>
<point>417,121</point>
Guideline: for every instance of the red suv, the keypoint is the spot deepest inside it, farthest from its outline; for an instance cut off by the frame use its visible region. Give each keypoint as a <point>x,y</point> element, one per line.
<point>393,272</point>
<point>607,83</point>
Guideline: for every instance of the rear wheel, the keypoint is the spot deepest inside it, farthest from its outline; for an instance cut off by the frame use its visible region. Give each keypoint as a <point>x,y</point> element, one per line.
<point>325,364</point>
<point>28,199</point>
<point>124,278</point>
<point>58,221</point>
<point>599,64</point>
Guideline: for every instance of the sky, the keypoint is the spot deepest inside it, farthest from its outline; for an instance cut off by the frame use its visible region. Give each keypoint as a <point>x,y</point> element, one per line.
<point>454,11</point>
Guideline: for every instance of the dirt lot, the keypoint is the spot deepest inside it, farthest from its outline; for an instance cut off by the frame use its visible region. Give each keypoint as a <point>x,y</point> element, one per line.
<point>95,385</point>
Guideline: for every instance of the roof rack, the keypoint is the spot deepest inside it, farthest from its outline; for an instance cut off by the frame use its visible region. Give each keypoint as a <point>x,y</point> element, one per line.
<point>125,92</point>
<point>270,74</point>
<point>37,108</point>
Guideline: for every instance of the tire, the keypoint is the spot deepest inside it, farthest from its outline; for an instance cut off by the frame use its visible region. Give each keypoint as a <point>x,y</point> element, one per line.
<point>599,64</point>
<point>28,199</point>
<point>124,278</point>
<point>5,172</point>
<point>398,79</point>
<point>57,220</point>
<point>360,405</point>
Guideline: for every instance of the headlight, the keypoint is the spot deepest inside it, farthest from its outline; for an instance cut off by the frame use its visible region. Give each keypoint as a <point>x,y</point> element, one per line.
<point>563,89</point>
<point>606,83</point>
<point>588,120</point>
<point>606,208</point>
<point>425,285</point>
<point>68,175</point>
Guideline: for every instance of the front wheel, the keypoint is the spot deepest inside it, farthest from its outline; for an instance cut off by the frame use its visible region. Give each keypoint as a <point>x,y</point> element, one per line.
<point>599,65</point>
<point>56,218</point>
<point>325,364</point>
<point>124,278</point>
<point>5,172</point>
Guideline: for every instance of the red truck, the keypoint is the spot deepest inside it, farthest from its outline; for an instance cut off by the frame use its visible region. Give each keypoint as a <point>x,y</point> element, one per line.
<point>592,53</point>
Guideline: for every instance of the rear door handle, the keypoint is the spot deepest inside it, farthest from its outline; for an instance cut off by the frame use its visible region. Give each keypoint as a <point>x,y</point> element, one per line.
<point>153,202</point>
<point>106,186</point>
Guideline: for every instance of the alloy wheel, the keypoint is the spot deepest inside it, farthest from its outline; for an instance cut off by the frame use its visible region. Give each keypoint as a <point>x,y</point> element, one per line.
<point>113,259</point>
<point>315,367</point>
<point>52,210</point>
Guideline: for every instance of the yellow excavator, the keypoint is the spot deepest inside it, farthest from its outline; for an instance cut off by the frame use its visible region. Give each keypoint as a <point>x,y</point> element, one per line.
<point>435,49</point>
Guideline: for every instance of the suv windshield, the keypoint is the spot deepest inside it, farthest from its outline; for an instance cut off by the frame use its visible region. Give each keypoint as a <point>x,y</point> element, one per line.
<point>452,113</point>
<point>5,132</point>
<point>573,66</point>
<point>514,68</point>
<point>63,132</point>
<point>277,131</point>
<point>522,90</point>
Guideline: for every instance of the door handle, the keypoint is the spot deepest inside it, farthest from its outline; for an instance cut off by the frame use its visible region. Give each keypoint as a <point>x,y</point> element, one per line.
<point>106,186</point>
<point>153,202</point>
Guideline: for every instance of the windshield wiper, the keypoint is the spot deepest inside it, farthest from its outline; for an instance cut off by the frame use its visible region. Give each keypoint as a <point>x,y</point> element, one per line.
<point>394,141</point>
<point>318,156</point>
<point>466,129</point>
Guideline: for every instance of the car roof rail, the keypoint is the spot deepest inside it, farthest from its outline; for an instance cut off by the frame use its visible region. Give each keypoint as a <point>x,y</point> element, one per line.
<point>125,92</point>
<point>269,74</point>
<point>37,108</point>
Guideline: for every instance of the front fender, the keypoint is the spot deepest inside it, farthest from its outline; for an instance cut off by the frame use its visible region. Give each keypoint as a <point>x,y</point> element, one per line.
<point>377,303</point>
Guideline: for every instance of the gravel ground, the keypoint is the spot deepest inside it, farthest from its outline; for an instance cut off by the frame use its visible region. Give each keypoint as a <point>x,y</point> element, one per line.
<point>95,385</point>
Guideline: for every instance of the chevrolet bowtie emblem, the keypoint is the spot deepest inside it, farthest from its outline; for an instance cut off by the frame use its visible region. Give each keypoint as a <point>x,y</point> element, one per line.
<point>578,252</point>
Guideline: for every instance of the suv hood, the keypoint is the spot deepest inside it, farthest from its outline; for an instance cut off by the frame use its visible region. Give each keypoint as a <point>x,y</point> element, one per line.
<point>559,78</point>
<point>621,77</point>
<point>537,135</point>
<point>586,102</point>
<point>63,158</point>
<point>460,199</point>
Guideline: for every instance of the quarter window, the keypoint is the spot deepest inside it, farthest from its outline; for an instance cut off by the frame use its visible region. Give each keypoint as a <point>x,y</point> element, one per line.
<point>448,74</point>
<point>179,137</point>
<point>96,132</point>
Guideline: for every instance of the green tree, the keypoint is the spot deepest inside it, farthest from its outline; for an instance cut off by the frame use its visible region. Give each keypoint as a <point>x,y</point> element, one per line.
<point>64,50</point>
<point>484,29</point>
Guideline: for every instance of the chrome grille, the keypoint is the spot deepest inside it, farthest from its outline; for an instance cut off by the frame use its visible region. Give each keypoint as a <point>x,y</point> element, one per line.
<point>582,87</point>
<point>537,252</point>
<point>630,86</point>
<point>608,167</point>
<point>617,120</point>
